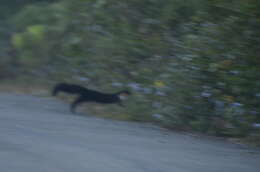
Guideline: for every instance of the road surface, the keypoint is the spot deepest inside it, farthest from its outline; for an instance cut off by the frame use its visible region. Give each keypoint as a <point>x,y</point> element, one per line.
<point>41,135</point>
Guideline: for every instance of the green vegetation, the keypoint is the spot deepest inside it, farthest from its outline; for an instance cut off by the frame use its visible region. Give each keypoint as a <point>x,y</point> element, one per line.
<point>192,64</point>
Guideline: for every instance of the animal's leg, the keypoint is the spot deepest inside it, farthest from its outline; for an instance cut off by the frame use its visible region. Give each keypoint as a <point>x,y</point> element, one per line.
<point>76,103</point>
<point>55,90</point>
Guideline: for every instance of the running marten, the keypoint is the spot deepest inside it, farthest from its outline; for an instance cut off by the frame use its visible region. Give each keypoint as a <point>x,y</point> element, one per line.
<point>87,95</point>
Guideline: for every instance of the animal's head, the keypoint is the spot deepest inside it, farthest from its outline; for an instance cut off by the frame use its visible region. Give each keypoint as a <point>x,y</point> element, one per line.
<point>124,94</point>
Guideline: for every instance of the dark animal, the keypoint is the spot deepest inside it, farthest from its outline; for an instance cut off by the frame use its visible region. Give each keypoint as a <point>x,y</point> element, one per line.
<point>87,95</point>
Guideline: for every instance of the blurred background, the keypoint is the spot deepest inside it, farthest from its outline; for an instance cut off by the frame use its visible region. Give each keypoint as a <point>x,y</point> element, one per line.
<point>192,65</point>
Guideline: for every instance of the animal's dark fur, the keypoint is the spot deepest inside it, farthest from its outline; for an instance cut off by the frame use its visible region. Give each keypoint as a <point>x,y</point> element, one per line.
<point>87,95</point>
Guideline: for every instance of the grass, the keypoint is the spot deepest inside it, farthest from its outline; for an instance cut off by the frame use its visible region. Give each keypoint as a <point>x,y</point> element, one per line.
<point>40,88</point>
<point>24,88</point>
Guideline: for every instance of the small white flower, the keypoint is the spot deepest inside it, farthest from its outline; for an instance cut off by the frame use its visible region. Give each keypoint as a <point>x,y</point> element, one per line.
<point>236,104</point>
<point>257,95</point>
<point>256,125</point>
<point>80,78</point>
<point>117,84</point>
<point>135,86</point>
<point>160,93</point>
<point>234,72</point>
<point>157,116</point>
<point>205,94</point>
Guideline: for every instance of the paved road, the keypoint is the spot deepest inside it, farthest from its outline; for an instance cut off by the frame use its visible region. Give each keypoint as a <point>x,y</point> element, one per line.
<point>41,135</point>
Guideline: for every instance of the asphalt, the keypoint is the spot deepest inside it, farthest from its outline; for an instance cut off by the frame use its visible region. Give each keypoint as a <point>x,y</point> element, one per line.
<point>41,135</point>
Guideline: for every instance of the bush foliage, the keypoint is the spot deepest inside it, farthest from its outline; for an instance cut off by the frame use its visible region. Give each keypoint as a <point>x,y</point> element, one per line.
<point>190,63</point>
